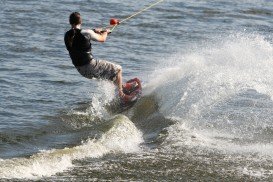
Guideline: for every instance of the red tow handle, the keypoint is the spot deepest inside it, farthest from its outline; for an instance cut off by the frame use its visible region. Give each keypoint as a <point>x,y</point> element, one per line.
<point>114,21</point>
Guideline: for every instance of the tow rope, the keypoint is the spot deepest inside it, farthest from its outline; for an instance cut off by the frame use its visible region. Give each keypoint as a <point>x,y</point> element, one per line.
<point>114,22</point>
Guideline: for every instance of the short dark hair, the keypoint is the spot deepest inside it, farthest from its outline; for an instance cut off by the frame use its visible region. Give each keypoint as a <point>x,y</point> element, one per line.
<point>75,18</point>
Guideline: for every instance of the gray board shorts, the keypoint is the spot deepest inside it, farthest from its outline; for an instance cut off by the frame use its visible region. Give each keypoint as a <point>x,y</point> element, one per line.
<point>100,69</point>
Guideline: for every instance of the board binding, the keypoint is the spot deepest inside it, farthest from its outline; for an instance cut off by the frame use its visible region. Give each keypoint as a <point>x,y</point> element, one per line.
<point>133,91</point>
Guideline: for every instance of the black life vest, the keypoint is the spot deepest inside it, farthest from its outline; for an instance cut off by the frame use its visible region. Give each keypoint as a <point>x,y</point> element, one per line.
<point>80,50</point>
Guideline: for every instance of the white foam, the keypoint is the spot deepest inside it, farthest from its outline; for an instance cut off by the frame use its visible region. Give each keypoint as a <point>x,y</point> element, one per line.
<point>191,85</point>
<point>183,135</point>
<point>258,173</point>
<point>122,136</point>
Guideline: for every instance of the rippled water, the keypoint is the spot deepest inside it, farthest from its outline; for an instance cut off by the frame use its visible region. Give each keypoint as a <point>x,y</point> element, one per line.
<point>206,112</point>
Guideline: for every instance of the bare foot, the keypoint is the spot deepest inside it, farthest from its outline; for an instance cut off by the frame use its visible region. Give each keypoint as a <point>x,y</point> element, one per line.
<point>121,94</point>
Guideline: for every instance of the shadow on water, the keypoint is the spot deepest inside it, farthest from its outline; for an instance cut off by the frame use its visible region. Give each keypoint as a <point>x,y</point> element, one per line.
<point>146,116</point>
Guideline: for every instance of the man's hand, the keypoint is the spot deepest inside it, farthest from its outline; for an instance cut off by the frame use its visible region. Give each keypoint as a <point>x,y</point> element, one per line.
<point>98,30</point>
<point>101,31</point>
<point>107,30</point>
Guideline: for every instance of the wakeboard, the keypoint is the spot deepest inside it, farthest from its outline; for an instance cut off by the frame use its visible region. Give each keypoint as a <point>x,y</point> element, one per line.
<point>133,91</point>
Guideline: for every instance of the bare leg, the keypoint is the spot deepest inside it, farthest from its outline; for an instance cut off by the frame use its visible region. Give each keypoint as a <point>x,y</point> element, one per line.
<point>119,83</point>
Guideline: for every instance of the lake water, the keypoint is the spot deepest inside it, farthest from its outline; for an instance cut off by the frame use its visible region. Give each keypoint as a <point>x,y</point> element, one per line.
<point>206,113</point>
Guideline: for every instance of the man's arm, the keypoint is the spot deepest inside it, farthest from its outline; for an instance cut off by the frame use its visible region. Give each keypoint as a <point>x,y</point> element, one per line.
<point>98,35</point>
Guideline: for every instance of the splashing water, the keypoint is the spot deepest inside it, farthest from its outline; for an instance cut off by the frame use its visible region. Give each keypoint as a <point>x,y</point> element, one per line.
<point>219,91</point>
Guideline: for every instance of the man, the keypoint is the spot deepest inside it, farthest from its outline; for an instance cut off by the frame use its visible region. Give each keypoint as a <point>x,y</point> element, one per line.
<point>78,44</point>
